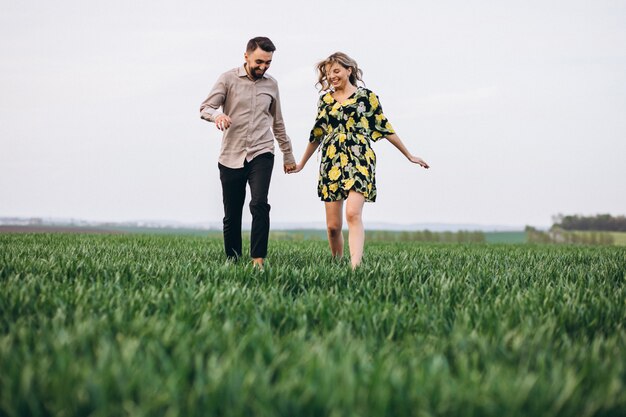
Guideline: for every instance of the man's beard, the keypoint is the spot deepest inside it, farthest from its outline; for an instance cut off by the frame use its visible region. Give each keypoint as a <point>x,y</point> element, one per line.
<point>256,73</point>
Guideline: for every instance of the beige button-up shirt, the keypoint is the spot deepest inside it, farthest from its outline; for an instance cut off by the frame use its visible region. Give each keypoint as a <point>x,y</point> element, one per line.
<point>254,110</point>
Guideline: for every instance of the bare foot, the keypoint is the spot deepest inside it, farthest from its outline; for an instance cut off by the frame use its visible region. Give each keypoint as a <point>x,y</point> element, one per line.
<point>257,263</point>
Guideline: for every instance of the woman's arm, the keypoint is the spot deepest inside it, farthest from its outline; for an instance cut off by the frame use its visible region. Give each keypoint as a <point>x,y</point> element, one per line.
<point>395,141</point>
<point>310,149</point>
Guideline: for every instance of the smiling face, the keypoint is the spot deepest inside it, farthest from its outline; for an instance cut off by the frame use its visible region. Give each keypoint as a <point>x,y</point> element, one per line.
<point>338,76</point>
<point>257,62</point>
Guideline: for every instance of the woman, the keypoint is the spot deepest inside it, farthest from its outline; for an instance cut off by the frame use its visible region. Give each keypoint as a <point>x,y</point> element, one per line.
<point>349,117</point>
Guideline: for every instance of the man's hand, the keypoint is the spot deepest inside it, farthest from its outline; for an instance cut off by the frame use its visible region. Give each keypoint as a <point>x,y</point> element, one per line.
<point>295,169</point>
<point>222,122</point>
<point>288,168</point>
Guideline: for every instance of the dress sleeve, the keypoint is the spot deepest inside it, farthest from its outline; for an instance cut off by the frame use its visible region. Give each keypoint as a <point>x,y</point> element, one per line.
<point>378,123</point>
<point>321,122</point>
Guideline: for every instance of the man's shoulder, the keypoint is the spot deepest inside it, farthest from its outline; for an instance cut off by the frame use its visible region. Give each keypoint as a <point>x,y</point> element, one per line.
<point>270,79</point>
<point>231,73</point>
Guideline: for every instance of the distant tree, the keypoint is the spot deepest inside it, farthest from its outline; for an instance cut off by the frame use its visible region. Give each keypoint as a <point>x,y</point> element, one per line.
<point>600,222</point>
<point>537,236</point>
<point>559,235</point>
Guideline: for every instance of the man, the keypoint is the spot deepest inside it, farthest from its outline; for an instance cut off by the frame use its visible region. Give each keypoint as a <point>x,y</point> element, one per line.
<point>250,119</point>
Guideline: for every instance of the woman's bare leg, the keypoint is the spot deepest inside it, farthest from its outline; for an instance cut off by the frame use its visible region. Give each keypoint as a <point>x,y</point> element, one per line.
<point>334,222</point>
<point>356,232</point>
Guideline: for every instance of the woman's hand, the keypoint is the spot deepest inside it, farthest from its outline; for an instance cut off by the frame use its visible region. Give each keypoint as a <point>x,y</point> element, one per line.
<point>419,161</point>
<point>310,148</point>
<point>297,168</point>
<point>395,141</point>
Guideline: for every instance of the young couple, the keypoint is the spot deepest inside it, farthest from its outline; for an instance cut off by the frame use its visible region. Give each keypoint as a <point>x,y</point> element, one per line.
<point>349,118</point>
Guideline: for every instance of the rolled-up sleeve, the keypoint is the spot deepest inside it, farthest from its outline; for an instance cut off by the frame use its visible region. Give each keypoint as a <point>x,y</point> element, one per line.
<point>209,109</point>
<point>278,127</point>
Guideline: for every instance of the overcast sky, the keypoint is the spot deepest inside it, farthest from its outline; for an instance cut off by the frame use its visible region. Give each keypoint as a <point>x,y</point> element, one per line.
<point>519,106</point>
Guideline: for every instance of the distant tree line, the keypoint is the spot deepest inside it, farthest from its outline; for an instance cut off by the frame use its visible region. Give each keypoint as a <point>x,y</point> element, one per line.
<point>461,236</point>
<point>600,222</point>
<point>558,235</point>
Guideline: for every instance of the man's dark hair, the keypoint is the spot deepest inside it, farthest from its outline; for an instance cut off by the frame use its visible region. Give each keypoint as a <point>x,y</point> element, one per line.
<point>260,42</point>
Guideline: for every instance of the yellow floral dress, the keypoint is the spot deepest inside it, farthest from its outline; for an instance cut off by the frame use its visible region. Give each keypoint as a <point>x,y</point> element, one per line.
<point>345,131</point>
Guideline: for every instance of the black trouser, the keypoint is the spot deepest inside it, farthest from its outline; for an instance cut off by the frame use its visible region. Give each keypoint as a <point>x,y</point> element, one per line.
<point>257,173</point>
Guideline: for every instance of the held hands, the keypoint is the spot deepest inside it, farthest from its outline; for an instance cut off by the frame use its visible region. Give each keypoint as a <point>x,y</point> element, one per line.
<point>222,122</point>
<point>419,161</point>
<point>289,168</point>
<point>293,168</point>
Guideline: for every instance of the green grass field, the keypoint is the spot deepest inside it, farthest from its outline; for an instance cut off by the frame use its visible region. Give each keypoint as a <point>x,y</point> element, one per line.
<point>505,237</point>
<point>137,325</point>
<point>619,238</point>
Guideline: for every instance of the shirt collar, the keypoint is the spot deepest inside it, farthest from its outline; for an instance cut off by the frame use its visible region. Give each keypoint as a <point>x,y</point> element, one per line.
<point>241,72</point>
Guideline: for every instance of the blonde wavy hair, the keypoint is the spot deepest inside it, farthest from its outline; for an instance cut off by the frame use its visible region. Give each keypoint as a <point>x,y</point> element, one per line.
<point>343,60</point>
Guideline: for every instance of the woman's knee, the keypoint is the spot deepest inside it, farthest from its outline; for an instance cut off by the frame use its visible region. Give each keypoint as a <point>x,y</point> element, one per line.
<point>353,215</point>
<point>333,229</point>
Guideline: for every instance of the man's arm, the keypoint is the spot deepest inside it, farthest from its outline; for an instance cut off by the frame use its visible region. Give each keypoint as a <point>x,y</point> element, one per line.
<point>278,127</point>
<point>310,148</point>
<point>209,109</point>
